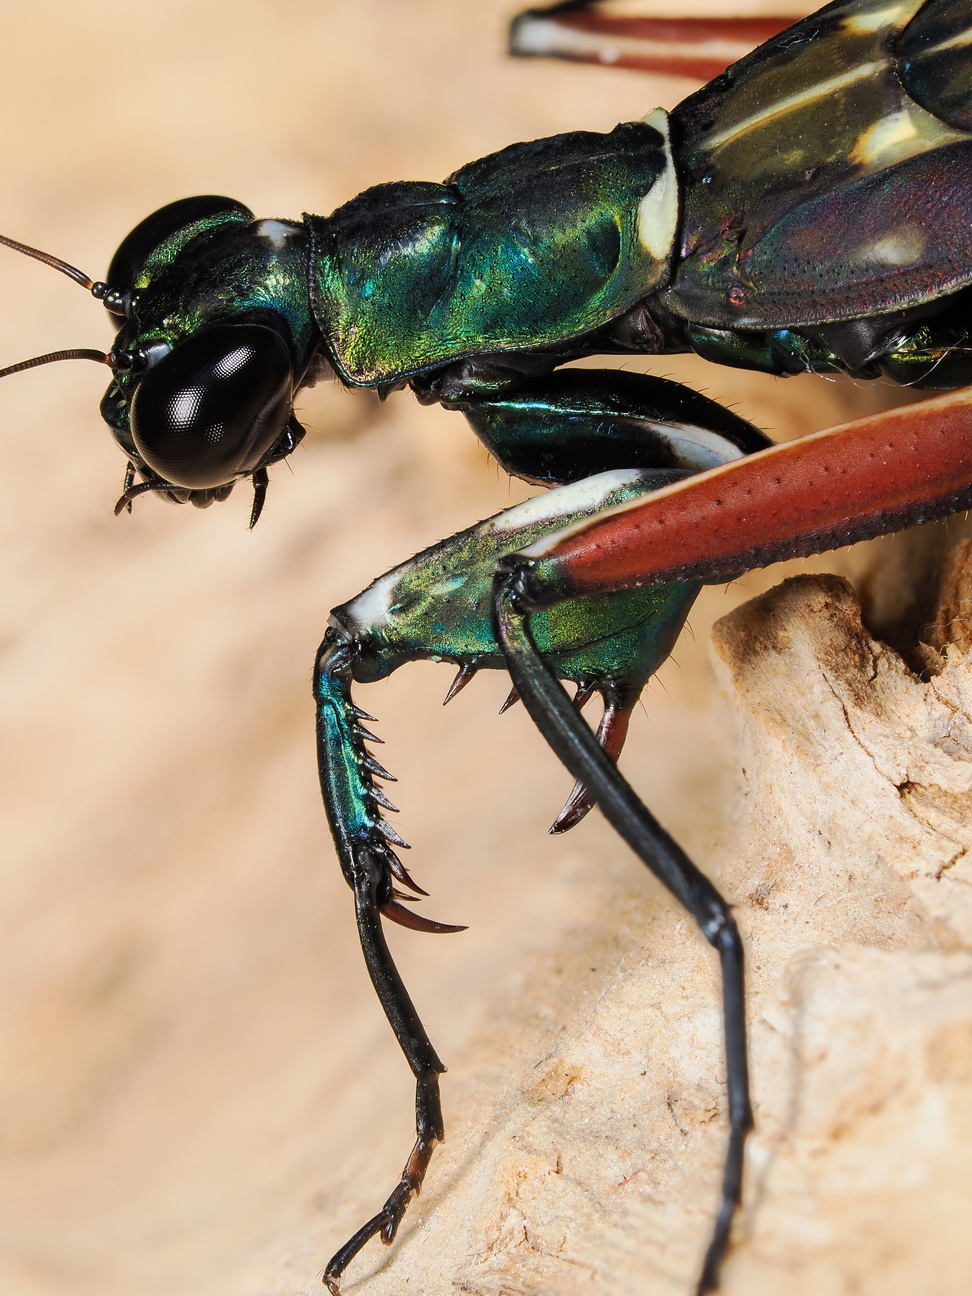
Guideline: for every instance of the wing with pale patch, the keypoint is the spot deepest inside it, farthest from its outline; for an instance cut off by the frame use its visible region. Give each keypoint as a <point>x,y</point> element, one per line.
<point>829,175</point>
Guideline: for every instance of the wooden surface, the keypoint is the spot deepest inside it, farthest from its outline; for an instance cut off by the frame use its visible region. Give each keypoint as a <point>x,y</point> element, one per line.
<point>197,1092</point>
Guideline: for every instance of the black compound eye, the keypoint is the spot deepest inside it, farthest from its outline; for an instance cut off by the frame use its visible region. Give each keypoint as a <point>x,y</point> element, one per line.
<point>155,229</point>
<point>215,406</point>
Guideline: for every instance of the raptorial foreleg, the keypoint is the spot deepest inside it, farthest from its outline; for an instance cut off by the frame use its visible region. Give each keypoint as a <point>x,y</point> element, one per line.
<point>354,805</point>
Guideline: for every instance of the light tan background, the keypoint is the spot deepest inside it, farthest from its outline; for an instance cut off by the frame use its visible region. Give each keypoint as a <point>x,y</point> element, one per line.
<point>198,1094</point>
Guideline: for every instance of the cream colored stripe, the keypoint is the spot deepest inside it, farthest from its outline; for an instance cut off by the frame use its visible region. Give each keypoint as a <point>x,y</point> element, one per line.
<point>873,19</point>
<point>954,42</point>
<point>658,209</point>
<point>819,90</point>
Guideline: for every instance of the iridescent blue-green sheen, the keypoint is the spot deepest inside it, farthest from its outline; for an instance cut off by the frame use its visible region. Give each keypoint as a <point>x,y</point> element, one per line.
<point>439,605</point>
<point>345,783</point>
<point>522,249</point>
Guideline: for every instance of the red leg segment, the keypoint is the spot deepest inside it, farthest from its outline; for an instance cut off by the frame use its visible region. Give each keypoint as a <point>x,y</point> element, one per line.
<point>848,483</point>
<point>700,48</point>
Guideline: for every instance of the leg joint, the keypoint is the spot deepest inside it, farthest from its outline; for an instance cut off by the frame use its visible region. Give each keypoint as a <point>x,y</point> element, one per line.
<point>720,930</point>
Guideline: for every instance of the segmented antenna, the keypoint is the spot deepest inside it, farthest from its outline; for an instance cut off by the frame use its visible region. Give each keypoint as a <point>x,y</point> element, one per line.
<point>95,287</point>
<point>73,353</point>
<point>71,271</point>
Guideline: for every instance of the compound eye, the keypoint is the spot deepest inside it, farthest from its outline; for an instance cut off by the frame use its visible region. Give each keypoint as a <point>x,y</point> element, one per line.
<point>135,247</point>
<point>214,407</point>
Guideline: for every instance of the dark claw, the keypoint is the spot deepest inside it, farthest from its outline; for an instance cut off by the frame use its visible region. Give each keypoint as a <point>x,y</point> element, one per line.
<point>260,483</point>
<point>611,733</point>
<point>406,918</point>
<point>401,874</point>
<point>463,677</point>
<point>390,835</point>
<point>511,699</point>
<point>574,809</point>
<point>382,799</point>
<point>379,771</point>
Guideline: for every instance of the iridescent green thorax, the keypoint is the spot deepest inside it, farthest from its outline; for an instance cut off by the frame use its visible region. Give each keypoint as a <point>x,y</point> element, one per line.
<point>521,250</point>
<point>439,604</point>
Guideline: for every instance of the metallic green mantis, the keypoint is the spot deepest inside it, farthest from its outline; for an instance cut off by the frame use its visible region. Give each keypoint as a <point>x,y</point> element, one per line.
<point>808,211</point>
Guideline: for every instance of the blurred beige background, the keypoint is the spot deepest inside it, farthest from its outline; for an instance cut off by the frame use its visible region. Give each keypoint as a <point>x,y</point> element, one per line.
<point>199,1093</point>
